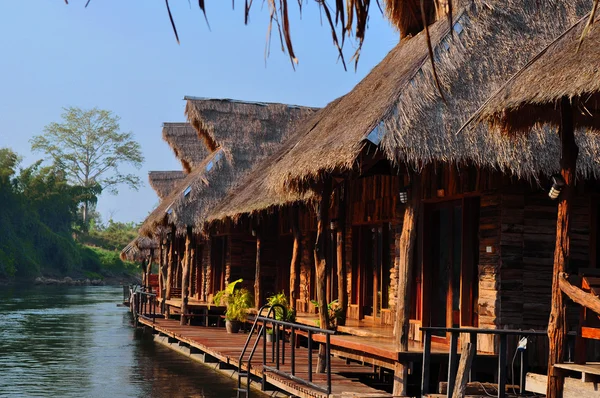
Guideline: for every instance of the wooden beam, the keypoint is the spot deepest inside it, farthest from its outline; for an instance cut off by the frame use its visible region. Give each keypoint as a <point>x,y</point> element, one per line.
<point>557,329</point>
<point>257,274</point>
<point>340,251</point>
<point>296,254</point>
<point>185,277</point>
<point>581,297</point>
<point>406,247</point>
<point>320,254</point>
<point>464,369</point>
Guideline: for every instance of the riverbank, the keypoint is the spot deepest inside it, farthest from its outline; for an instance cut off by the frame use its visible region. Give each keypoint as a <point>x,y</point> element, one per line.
<point>72,281</point>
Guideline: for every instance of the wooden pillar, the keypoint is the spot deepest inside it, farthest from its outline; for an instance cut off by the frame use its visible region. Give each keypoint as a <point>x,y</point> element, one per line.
<point>295,263</point>
<point>257,287</point>
<point>149,267</point>
<point>340,251</point>
<point>144,272</point>
<point>161,275</point>
<point>193,270</point>
<point>406,245</point>
<point>557,328</point>
<point>185,278</point>
<point>321,264</point>
<point>170,263</point>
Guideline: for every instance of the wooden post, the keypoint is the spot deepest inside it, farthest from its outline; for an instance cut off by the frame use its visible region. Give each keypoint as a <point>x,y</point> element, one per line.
<point>321,265</point>
<point>161,263</point>
<point>340,251</point>
<point>406,245</point>
<point>170,263</point>
<point>557,329</point>
<point>193,270</point>
<point>257,295</point>
<point>144,272</point>
<point>149,269</point>
<point>185,277</point>
<point>464,369</point>
<point>295,263</point>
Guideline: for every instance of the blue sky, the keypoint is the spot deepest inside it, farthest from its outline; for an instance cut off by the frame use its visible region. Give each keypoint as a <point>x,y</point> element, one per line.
<point>122,56</point>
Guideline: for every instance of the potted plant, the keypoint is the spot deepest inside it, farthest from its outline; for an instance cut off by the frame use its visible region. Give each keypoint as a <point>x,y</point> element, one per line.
<point>334,311</point>
<point>237,301</point>
<point>269,335</point>
<point>281,299</point>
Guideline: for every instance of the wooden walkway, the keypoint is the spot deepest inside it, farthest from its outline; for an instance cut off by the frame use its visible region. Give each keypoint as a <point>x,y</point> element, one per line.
<point>217,345</point>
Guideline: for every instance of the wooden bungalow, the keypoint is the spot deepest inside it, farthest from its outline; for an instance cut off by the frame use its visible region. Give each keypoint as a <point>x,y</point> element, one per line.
<point>238,135</point>
<point>559,91</point>
<point>190,151</point>
<point>473,244</point>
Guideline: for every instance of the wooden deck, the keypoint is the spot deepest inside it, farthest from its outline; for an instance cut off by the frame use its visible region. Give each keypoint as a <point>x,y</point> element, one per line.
<point>226,348</point>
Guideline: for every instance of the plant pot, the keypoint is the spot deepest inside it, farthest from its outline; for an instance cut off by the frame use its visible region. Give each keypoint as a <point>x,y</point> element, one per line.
<point>270,337</point>
<point>232,326</point>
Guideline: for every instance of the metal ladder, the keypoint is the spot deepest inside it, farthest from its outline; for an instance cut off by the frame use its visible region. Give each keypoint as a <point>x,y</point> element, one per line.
<point>247,374</point>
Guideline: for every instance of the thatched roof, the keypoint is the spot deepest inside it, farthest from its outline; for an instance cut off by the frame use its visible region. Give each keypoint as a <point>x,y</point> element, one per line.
<point>183,140</point>
<point>242,134</point>
<point>163,182</point>
<point>560,70</point>
<point>138,249</point>
<point>398,103</point>
<point>252,193</point>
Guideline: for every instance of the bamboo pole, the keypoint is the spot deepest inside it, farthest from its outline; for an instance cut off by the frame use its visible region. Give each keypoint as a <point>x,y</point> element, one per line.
<point>406,245</point>
<point>557,329</point>
<point>257,287</point>
<point>295,263</point>
<point>320,254</point>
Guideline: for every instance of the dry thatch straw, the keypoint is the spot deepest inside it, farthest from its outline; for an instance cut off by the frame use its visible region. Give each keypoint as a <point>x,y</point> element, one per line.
<point>183,140</point>
<point>399,104</point>
<point>163,182</point>
<point>243,134</point>
<point>563,69</point>
<point>138,249</point>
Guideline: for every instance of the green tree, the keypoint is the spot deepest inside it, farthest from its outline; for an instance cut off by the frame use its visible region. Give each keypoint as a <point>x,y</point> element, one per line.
<point>89,147</point>
<point>9,161</point>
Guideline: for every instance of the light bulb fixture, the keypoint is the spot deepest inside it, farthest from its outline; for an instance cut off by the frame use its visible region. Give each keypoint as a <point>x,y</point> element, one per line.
<point>558,183</point>
<point>253,232</point>
<point>403,195</point>
<point>333,224</point>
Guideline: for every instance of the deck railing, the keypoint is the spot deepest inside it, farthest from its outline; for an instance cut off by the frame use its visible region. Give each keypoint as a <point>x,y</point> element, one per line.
<point>279,330</point>
<point>473,333</point>
<point>144,304</point>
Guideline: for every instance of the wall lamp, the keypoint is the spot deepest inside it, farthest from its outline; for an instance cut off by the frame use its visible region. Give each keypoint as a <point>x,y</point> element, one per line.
<point>403,195</point>
<point>558,183</point>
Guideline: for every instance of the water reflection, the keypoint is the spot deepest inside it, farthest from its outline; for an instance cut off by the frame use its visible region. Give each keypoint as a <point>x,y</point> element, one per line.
<point>74,342</point>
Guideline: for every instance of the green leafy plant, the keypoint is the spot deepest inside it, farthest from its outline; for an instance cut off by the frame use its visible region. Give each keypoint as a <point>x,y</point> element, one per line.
<point>281,299</point>
<point>237,301</point>
<point>334,311</point>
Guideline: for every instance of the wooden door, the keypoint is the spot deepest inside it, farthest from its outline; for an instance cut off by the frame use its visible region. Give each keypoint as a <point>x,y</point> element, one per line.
<point>371,270</point>
<point>451,245</point>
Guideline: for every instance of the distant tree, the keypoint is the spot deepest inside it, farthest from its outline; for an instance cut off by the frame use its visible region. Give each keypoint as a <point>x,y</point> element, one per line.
<point>90,148</point>
<point>9,161</point>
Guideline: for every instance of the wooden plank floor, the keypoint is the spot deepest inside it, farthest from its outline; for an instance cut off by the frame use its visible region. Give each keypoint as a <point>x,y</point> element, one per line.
<point>227,348</point>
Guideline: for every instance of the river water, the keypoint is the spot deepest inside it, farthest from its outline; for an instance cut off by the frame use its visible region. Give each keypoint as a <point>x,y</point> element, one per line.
<point>58,341</point>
